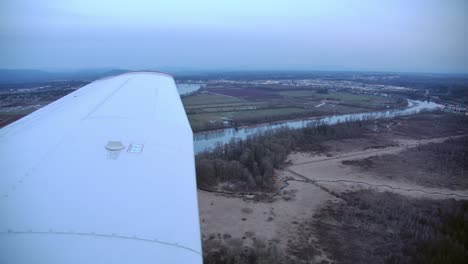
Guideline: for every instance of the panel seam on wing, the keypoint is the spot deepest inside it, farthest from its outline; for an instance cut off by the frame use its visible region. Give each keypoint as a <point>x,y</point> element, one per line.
<point>107,98</point>
<point>99,235</point>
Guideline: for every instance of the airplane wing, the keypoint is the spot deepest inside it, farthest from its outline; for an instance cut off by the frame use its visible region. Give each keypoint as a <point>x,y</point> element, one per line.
<point>105,174</point>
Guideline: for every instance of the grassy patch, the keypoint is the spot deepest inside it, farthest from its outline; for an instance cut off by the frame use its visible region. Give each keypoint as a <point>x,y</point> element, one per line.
<point>266,112</point>
<point>335,96</point>
<point>253,105</point>
<point>298,93</point>
<point>203,120</point>
<point>340,96</point>
<point>210,99</point>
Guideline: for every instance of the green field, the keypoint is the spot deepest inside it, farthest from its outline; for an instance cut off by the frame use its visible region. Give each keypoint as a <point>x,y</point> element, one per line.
<point>298,94</point>
<point>202,120</point>
<point>338,96</point>
<point>266,112</point>
<point>348,97</point>
<point>209,110</point>
<point>209,99</point>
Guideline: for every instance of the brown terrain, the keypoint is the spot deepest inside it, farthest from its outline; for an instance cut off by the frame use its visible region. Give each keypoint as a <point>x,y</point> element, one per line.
<point>342,205</point>
<point>8,119</point>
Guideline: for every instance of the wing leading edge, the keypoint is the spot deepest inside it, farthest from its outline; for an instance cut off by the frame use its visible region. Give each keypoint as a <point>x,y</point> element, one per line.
<point>104,174</point>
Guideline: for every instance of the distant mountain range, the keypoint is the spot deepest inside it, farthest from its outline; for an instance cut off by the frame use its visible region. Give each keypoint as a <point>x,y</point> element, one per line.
<point>26,76</point>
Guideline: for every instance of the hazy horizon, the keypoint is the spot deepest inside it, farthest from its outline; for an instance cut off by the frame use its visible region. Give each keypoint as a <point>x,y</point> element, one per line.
<point>377,36</point>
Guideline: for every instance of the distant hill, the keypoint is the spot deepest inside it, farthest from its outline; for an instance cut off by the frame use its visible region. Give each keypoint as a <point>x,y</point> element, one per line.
<point>26,76</point>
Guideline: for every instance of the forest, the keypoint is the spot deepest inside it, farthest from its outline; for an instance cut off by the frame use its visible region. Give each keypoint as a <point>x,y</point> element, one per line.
<point>249,165</point>
<point>384,227</point>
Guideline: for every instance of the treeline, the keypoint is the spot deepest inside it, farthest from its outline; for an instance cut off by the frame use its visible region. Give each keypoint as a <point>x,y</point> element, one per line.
<point>249,165</point>
<point>244,121</point>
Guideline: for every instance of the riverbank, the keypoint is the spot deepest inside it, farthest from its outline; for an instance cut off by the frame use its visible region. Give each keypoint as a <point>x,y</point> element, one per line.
<point>208,140</point>
<point>299,224</point>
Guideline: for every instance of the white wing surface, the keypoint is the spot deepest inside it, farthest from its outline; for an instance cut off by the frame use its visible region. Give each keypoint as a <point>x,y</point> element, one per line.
<point>103,175</point>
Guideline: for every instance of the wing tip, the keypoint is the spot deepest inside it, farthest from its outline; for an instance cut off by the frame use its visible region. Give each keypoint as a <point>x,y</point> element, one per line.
<point>134,72</point>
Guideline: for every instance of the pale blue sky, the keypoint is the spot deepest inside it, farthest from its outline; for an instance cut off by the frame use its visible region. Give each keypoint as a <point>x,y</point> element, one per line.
<point>380,35</point>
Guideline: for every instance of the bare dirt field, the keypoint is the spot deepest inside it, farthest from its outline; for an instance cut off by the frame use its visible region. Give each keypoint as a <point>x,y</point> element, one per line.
<point>276,222</point>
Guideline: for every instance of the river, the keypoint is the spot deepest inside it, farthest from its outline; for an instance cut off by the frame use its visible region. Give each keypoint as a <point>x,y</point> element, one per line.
<point>187,88</point>
<point>210,139</point>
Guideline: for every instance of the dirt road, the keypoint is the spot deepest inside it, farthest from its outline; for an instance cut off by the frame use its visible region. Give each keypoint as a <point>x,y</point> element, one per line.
<point>329,172</point>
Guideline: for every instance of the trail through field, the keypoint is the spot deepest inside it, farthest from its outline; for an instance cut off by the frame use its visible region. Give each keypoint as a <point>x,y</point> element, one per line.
<point>319,105</point>
<point>330,173</point>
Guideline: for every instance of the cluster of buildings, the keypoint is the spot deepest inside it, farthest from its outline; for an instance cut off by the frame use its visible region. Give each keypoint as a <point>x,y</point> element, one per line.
<point>456,109</point>
<point>318,83</point>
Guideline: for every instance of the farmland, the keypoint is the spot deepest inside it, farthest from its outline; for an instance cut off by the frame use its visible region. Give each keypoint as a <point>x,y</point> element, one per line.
<point>228,105</point>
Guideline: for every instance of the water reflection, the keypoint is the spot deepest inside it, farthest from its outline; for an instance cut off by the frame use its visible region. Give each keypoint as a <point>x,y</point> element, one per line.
<point>208,140</point>
<point>187,88</point>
